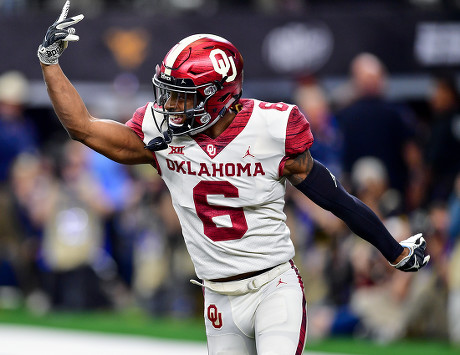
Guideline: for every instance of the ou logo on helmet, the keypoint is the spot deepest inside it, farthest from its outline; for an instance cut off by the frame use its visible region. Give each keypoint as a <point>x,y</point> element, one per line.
<point>223,65</point>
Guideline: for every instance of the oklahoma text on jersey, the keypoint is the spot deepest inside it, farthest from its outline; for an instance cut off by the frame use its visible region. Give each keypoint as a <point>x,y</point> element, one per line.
<point>220,169</point>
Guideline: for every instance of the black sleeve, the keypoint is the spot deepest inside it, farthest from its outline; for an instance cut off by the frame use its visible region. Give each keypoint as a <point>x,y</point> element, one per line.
<point>323,189</point>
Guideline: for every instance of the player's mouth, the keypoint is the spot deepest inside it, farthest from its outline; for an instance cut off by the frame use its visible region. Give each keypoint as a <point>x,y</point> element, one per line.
<point>176,119</point>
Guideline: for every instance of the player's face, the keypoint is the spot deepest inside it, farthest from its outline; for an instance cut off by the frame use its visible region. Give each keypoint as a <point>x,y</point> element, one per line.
<point>178,102</point>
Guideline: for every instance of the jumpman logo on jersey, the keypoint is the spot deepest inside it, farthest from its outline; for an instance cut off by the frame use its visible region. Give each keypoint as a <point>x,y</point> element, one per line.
<point>248,154</point>
<point>281,282</point>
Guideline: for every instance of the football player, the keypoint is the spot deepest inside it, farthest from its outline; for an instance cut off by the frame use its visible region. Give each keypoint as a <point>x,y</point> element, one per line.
<point>226,161</point>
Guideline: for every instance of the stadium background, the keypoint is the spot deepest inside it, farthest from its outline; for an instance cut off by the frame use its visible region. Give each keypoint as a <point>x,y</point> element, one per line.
<point>89,244</point>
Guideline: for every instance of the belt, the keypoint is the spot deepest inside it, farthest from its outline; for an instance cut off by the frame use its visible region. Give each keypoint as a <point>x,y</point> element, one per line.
<point>244,286</point>
<point>246,275</point>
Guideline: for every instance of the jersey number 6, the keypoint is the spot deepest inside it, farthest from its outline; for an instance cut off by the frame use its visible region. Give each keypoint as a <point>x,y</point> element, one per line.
<point>206,212</point>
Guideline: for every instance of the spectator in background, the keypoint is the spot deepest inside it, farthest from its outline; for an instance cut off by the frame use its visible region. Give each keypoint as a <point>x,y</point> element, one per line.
<point>116,190</point>
<point>73,234</point>
<point>370,180</point>
<point>32,182</point>
<point>312,101</point>
<point>372,126</point>
<point>17,133</point>
<point>443,146</point>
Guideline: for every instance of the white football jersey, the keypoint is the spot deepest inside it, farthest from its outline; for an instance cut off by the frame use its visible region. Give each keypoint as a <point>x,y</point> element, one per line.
<point>228,192</point>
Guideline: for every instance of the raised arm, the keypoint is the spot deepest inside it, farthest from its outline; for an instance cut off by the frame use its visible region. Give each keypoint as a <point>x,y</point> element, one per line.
<point>108,137</point>
<point>316,182</point>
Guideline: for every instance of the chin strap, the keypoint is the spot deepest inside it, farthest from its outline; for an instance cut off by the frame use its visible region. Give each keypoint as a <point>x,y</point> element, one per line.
<point>159,143</point>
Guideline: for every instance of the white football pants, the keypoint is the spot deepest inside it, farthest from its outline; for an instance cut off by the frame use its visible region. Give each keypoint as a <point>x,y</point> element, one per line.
<point>267,318</point>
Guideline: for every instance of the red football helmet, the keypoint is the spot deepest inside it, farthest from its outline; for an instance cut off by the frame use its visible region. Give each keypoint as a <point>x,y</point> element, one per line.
<point>205,66</point>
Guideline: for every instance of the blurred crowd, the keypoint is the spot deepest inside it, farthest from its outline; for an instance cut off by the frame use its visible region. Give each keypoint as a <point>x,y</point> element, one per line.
<point>79,232</point>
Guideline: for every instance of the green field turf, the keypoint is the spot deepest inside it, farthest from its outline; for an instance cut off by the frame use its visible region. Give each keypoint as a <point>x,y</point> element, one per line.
<point>135,322</point>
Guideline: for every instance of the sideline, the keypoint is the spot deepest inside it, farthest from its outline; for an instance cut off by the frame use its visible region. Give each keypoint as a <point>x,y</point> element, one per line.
<point>26,340</point>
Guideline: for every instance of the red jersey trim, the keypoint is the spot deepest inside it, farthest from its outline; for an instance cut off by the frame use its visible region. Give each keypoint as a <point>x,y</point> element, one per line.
<point>281,166</point>
<point>135,123</point>
<point>299,137</point>
<point>303,325</point>
<point>236,127</point>
<point>157,165</point>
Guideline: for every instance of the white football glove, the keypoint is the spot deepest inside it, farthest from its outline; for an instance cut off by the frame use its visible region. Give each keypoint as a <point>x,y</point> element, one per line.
<point>416,258</point>
<point>58,36</point>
